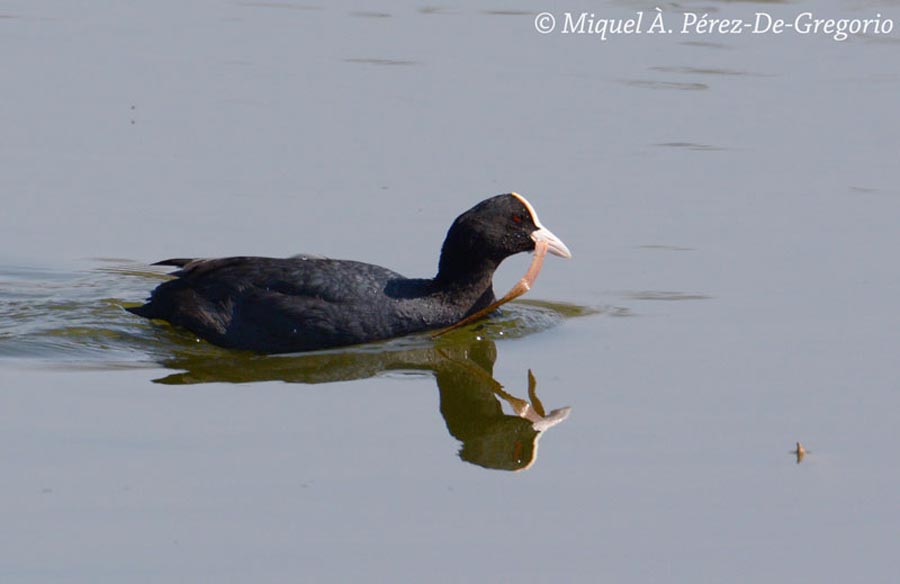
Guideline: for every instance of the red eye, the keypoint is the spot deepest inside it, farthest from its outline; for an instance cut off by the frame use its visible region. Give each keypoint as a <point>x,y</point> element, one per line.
<point>516,219</point>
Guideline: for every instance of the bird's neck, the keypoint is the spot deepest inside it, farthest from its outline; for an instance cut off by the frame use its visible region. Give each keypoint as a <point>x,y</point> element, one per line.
<point>466,269</point>
<point>465,281</point>
<point>463,271</point>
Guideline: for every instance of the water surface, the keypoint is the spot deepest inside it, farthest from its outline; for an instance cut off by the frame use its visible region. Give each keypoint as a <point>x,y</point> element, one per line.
<point>731,203</point>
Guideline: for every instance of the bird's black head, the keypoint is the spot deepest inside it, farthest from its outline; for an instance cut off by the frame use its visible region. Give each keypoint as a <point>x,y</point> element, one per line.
<point>488,233</point>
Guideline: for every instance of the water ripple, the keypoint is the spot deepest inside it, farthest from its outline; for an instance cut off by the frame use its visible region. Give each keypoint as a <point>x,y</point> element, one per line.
<point>77,319</point>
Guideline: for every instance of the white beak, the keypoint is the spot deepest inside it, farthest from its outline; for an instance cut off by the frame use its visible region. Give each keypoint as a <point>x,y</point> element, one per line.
<point>554,244</point>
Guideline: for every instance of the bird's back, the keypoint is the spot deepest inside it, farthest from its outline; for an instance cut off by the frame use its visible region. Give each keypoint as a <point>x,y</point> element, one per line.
<point>305,303</point>
<point>285,305</point>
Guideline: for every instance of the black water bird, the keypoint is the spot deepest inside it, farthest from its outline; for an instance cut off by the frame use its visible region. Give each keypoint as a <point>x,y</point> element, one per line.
<point>305,303</point>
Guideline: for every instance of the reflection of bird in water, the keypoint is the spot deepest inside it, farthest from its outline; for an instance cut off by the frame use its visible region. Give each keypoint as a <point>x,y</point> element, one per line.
<point>470,398</point>
<point>474,414</point>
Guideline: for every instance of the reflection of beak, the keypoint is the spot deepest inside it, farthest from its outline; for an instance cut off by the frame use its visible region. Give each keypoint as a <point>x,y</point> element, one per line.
<point>551,419</point>
<point>554,244</point>
<point>534,411</point>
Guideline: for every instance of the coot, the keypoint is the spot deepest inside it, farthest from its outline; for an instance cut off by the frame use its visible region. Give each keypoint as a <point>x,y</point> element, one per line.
<point>305,303</point>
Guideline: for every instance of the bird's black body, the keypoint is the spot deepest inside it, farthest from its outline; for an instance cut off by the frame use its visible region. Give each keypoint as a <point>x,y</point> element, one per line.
<point>306,303</point>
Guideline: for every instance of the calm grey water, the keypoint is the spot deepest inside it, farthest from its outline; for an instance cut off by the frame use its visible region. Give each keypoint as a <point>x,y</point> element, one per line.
<point>732,202</point>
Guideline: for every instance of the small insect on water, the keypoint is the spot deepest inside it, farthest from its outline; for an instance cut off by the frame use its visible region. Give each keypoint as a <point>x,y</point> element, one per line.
<point>799,452</point>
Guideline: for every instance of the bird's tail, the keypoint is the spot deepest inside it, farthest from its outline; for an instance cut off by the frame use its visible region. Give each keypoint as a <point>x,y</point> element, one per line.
<point>180,262</point>
<point>145,310</point>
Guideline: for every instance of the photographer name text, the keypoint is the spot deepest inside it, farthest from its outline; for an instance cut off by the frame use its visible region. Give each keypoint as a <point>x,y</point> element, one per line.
<point>701,24</point>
